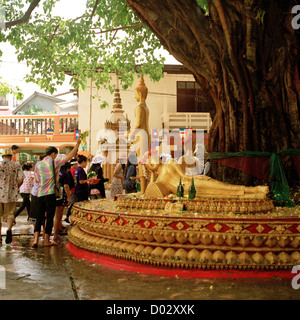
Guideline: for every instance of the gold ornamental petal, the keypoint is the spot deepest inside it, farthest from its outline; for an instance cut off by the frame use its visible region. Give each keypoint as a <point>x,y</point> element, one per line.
<point>260,228</point>
<point>180,225</point>
<point>217,227</point>
<point>197,225</point>
<point>147,224</point>
<point>237,228</point>
<point>280,229</point>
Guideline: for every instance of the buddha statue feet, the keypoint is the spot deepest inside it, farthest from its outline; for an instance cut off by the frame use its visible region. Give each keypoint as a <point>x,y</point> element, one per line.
<point>262,189</point>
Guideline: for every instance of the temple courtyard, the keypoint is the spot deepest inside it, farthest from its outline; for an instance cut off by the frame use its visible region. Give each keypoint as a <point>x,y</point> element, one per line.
<point>53,273</point>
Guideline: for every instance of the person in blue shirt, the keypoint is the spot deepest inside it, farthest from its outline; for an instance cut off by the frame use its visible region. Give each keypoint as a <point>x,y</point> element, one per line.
<point>130,174</point>
<point>65,201</point>
<point>81,180</point>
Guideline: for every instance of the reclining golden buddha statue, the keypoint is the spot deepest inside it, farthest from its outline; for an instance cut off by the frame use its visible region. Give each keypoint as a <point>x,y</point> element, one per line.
<point>169,176</point>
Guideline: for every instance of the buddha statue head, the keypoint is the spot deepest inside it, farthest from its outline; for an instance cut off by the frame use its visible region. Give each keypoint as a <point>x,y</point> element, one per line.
<point>141,91</point>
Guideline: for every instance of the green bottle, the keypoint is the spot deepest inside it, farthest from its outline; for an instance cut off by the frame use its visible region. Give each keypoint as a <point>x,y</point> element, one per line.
<point>180,190</point>
<point>192,190</point>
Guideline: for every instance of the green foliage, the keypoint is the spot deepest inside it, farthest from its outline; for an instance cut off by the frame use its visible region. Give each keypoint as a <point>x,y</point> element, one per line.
<point>106,38</point>
<point>34,109</point>
<point>83,135</point>
<point>6,89</point>
<point>104,104</point>
<point>203,4</point>
<point>92,174</point>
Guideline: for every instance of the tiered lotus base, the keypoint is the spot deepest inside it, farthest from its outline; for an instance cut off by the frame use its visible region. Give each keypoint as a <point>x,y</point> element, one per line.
<point>179,238</point>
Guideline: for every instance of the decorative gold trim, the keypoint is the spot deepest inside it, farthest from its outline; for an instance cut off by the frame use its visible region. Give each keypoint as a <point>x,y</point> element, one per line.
<point>238,206</point>
<point>261,241</point>
<point>181,258</point>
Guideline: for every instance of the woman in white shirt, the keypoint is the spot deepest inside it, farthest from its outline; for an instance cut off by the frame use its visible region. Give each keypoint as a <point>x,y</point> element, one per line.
<point>26,188</point>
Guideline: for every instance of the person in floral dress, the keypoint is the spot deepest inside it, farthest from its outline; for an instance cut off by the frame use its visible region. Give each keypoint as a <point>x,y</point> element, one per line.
<point>11,178</point>
<point>117,180</point>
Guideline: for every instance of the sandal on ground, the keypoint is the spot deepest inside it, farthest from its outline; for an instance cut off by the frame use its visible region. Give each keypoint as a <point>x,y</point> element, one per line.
<point>8,237</point>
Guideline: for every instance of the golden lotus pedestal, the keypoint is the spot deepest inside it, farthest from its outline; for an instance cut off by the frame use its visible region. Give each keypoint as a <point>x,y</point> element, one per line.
<point>186,234</point>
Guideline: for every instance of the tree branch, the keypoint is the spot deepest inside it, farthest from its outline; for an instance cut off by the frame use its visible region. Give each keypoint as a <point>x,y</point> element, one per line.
<point>52,36</point>
<point>94,8</point>
<point>120,28</point>
<point>112,39</point>
<point>102,31</point>
<point>26,16</point>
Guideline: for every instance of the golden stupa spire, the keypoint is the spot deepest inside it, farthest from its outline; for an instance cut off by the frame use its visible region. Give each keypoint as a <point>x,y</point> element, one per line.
<point>117,98</point>
<point>117,111</point>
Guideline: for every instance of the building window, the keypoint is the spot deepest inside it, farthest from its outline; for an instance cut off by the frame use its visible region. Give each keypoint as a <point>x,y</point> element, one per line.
<point>192,98</point>
<point>3,101</point>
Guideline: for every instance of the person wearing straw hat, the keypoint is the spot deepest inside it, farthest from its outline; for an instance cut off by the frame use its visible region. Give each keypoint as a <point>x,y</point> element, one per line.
<point>11,178</point>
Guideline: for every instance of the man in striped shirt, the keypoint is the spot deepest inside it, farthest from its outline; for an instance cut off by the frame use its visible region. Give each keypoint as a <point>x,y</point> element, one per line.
<point>46,194</point>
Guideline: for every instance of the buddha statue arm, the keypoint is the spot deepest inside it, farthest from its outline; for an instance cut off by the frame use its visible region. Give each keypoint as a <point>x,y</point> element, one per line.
<point>138,117</point>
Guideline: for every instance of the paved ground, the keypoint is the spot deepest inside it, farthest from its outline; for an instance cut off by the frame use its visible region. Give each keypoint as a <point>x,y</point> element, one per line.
<point>53,274</point>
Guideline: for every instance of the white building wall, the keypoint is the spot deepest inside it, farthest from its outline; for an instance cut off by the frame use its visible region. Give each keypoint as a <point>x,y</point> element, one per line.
<point>161,99</point>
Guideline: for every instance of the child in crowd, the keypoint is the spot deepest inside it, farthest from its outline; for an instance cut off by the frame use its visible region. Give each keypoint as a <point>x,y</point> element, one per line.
<point>81,180</point>
<point>26,188</point>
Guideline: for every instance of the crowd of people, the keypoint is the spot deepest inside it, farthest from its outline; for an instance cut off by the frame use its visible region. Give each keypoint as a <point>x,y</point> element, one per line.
<point>36,185</point>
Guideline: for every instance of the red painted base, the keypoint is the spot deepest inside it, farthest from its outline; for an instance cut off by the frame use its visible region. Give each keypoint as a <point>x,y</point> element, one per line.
<point>125,265</point>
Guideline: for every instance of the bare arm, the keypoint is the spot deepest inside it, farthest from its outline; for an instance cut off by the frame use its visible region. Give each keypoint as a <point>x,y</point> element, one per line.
<point>20,182</point>
<point>73,153</point>
<point>67,190</point>
<point>68,193</point>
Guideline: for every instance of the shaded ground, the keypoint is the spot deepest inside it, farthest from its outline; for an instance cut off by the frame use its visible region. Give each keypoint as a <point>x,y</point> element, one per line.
<point>53,274</point>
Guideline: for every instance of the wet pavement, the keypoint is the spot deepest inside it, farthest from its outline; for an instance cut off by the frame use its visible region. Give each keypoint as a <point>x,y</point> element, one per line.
<point>52,273</point>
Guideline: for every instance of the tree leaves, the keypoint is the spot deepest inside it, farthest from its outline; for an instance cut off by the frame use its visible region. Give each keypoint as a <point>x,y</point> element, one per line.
<point>106,38</point>
<point>203,4</point>
<point>6,89</point>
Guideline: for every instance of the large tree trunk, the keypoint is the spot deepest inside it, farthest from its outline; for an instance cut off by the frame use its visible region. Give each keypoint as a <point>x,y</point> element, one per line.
<point>246,54</point>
